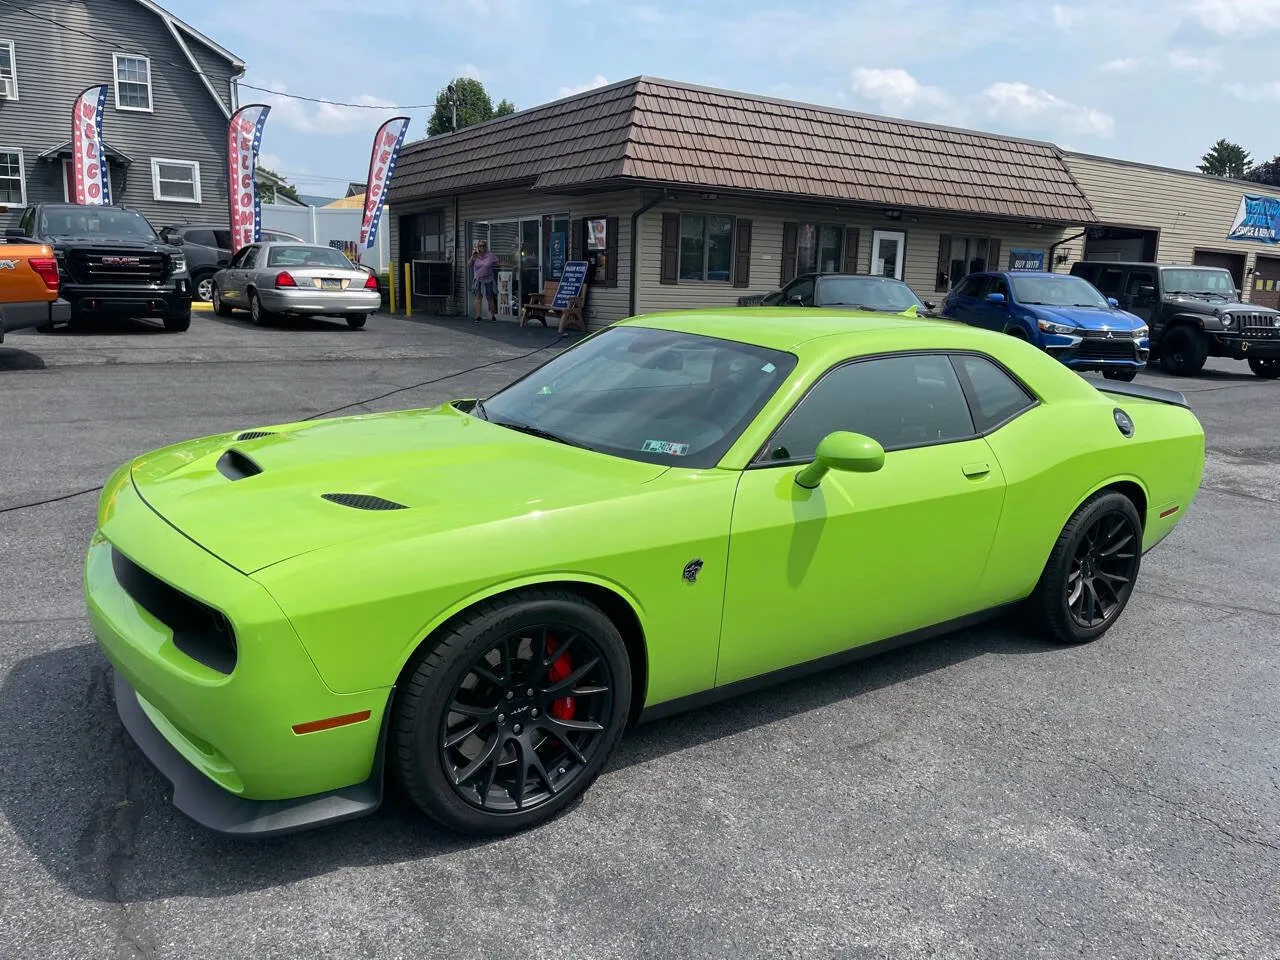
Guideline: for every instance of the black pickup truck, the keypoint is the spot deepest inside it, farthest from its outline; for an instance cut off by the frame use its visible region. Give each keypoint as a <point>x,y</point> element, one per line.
<point>1194,313</point>
<point>111,264</point>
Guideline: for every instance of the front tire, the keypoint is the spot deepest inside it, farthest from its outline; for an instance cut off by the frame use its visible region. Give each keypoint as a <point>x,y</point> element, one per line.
<point>204,286</point>
<point>1089,578</point>
<point>179,324</point>
<point>1183,351</point>
<point>510,714</point>
<point>1267,368</point>
<point>1123,374</point>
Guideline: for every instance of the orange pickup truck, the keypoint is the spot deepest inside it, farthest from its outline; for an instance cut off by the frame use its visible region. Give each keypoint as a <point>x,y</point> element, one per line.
<point>29,286</point>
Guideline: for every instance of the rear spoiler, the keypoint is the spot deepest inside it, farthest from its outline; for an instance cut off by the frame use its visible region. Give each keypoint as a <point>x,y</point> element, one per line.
<point>1120,388</point>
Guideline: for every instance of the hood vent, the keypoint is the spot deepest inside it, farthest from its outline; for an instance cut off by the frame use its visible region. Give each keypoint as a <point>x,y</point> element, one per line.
<point>255,435</point>
<point>234,465</point>
<point>362,501</point>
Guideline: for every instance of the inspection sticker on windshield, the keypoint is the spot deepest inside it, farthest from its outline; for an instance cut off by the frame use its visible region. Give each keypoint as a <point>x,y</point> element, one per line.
<point>768,368</point>
<point>665,446</point>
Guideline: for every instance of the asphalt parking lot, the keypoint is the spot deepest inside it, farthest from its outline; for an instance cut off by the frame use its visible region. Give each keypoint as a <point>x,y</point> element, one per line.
<point>981,795</point>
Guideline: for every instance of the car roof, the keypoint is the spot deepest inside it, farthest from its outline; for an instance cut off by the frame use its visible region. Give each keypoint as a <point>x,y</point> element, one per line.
<point>787,328</point>
<point>1147,264</point>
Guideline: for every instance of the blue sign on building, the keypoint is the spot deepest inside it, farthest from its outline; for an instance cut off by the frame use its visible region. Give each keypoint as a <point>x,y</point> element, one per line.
<point>1257,219</point>
<point>1026,259</point>
<point>571,282</point>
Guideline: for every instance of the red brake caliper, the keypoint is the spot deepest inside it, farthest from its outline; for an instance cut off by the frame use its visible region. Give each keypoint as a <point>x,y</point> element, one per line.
<point>562,709</point>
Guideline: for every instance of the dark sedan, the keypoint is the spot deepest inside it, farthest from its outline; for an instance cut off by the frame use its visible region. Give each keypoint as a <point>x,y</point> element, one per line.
<point>852,291</point>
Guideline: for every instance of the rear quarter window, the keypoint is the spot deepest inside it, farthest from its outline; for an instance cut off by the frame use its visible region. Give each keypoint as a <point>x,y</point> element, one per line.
<point>994,396</point>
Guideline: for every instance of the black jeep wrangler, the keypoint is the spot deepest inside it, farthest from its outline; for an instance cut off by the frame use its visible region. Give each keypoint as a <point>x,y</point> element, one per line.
<point>112,264</point>
<point>1193,312</point>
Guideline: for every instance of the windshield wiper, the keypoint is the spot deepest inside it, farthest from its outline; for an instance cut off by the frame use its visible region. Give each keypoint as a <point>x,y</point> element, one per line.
<point>531,430</point>
<point>860,306</point>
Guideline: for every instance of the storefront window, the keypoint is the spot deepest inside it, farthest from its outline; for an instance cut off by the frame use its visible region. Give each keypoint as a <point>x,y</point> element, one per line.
<point>596,246</point>
<point>422,236</point>
<point>960,256</point>
<point>706,247</point>
<point>819,247</point>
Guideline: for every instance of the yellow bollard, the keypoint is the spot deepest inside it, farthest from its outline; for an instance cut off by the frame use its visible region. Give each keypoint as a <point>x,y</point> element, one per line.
<point>391,287</point>
<point>408,293</point>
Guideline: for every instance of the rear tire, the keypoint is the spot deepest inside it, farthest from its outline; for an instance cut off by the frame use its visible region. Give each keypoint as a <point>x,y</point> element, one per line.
<point>475,751</point>
<point>355,321</point>
<point>202,284</point>
<point>220,306</point>
<point>1018,334</point>
<point>1123,374</point>
<point>260,316</point>
<point>1092,569</point>
<point>1183,351</point>
<point>177,324</point>
<point>1267,369</point>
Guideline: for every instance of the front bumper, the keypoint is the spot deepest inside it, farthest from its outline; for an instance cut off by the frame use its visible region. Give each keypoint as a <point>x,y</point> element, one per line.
<point>110,300</point>
<point>1097,353</point>
<point>1245,347</point>
<point>318,301</point>
<point>226,740</point>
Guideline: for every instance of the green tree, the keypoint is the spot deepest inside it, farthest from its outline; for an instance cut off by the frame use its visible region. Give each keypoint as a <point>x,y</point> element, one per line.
<point>286,189</point>
<point>1268,173</point>
<point>1225,159</point>
<point>474,106</point>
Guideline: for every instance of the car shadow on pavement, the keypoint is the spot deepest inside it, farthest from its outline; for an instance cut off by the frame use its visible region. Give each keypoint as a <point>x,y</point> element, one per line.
<point>11,358</point>
<point>93,812</point>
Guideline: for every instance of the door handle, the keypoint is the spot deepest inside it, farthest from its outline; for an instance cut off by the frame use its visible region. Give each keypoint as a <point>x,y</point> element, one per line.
<point>975,470</point>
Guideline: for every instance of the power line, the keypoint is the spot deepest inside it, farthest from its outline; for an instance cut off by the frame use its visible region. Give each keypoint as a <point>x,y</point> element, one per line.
<point>339,103</point>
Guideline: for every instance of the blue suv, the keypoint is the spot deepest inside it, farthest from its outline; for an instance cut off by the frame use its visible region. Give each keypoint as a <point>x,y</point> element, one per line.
<point>1063,315</point>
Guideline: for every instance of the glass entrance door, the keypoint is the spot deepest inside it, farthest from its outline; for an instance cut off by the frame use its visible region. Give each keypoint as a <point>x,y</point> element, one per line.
<point>887,251</point>
<point>530,276</point>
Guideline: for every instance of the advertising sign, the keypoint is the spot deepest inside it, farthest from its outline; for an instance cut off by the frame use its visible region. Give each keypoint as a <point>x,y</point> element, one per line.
<point>557,254</point>
<point>88,153</point>
<point>382,163</point>
<point>597,234</point>
<point>1257,219</point>
<point>571,283</point>
<point>244,140</point>
<point>506,299</point>
<point>1023,259</point>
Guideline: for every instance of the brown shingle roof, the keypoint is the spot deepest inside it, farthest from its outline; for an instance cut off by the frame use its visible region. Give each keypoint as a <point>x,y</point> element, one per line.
<point>655,131</point>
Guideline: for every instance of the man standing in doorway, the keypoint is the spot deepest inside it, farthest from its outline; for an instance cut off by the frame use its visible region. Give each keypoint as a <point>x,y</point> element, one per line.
<point>484,277</point>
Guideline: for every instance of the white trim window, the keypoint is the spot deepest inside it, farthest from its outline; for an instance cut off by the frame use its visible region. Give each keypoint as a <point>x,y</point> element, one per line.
<point>69,180</point>
<point>8,70</point>
<point>175,181</point>
<point>888,253</point>
<point>13,177</point>
<point>133,82</point>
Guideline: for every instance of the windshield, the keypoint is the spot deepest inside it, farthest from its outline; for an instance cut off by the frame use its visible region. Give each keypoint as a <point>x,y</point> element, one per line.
<point>875,293</point>
<point>1058,292</point>
<point>652,395</point>
<point>95,222</point>
<point>296,255</point>
<point>1211,282</point>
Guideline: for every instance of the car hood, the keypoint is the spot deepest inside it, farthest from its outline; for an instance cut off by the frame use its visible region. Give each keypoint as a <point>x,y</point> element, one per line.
<point>111,243</point>
<point>1091,318</point>
<point>445,468</point>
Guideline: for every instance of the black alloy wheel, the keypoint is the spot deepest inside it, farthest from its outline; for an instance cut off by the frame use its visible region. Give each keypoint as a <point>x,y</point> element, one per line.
<point>511,713</point>
<point>1092,569</point>
<point>1267,368</point>
<point>1183,351</point>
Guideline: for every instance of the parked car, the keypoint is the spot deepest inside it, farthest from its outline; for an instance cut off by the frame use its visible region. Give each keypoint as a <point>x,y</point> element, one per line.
<point>208,250</point>
<point>1194,313</point>
<point>111,263</point>
<point>29,286</point>
<point>272,280</point>
<point>478,598</point>
<point>1062,315</point>
<point>853,291</point>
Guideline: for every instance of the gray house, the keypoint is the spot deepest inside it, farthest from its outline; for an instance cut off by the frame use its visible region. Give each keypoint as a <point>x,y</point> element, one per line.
<point>171,91</point>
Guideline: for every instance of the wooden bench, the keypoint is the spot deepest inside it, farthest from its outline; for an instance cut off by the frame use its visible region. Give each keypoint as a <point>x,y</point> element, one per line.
<point>539,307</point>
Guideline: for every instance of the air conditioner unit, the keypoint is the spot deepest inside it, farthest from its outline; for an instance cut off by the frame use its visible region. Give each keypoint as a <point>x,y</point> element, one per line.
<point>8,89</point>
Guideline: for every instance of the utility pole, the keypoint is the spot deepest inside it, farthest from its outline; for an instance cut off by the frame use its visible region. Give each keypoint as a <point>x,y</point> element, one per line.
<point>453,108</point>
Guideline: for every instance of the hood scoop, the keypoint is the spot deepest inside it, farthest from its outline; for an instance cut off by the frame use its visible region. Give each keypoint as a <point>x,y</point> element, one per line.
<point>255,434</point>
<point>362,501</point>
<point>234,465</point>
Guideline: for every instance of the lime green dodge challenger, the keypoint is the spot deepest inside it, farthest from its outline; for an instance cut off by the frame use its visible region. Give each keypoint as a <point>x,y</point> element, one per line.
<point>483,595</point>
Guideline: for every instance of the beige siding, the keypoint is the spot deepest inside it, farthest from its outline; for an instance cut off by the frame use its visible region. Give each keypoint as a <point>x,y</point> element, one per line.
<point>920,265</point>
<point>1191,211</point>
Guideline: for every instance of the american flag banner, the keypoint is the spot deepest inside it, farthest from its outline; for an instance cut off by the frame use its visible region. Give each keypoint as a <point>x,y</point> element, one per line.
<point>382,163</point>
<point>244,140</point>
<point>88,154</point>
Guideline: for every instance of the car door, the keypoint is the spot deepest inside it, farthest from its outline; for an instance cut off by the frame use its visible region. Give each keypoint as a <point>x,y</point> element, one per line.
<point>863,556</point>
<point>993,316</point>
<point>1140,293</point>
<point>964,301</point>
<point>236,275</point>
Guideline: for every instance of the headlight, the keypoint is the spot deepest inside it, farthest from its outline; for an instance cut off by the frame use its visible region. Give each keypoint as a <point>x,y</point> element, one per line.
<point>1226,318</point>
<point>1140,333</point>
<point>179,263</point>
<point>1048,326</point>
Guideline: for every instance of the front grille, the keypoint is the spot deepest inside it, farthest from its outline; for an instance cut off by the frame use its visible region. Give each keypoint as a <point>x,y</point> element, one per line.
<point>1091,349</point>
<point>132,267</point>
<point>362,501</point>
<point>199,631</point>
<point>1256,324</point>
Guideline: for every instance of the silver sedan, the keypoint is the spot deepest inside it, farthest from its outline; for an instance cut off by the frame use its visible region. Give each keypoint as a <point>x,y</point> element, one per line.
<point>280,279</point>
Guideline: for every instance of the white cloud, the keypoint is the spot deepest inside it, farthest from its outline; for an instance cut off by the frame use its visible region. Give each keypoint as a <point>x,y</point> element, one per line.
<point>1190,63</point>
<point>1064,18</point>
<point>1231,17</point>
<point>1023,105</point>
<point>325,118</point>
<point>472,71</point>
<point>1254,92</point>
<point>895,90</point>
<point>1120,65</point>
<point>599,80</point>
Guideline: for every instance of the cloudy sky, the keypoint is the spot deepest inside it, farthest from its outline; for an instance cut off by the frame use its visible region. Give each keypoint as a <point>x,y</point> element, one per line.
<point>1150,80</point>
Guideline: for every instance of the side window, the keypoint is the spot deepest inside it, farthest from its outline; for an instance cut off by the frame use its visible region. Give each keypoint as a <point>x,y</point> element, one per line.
<point>967,287</point>
<point>994,396</point>
<point>1109,281</point>
<point>222,239</point>
<point>998,285</point>
<point>803,289</point>
<point>28,222</point>
<point>907,401</point>
<point>1138,278</point>
<point>203,238</point>
<point>981,287</point>
<point>245,258</point>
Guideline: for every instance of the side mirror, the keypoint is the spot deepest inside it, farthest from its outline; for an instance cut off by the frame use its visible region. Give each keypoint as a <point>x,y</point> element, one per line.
<point>848,452</point>
<point>176,239</point>
<point>931,305</point>
<point>997,298</point>
<point>1113,301</point>
<point>796,300</point>
<point>13,233</point>
<point>1147,290</point>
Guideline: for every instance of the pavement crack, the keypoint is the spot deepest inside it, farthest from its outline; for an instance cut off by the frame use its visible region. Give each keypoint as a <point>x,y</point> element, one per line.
<point>1228,492</point>
<point>1212,604</point>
